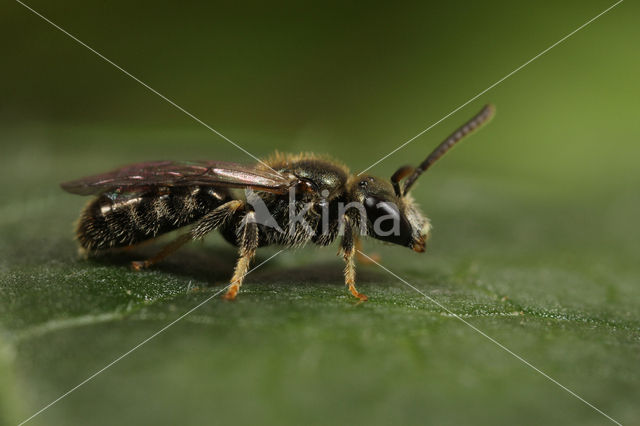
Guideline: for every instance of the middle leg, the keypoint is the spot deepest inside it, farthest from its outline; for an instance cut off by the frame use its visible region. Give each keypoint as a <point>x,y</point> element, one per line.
<point>248,244</point>
<point>206,224</point>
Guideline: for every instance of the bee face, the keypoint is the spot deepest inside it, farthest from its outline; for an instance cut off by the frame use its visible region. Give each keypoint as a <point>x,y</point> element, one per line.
<point>390,218</point>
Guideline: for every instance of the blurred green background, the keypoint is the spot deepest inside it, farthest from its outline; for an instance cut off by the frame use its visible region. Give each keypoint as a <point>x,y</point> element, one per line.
<point>536,237</point>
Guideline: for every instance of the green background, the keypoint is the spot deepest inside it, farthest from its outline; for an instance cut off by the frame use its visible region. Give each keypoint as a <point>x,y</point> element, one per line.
<point>535,242</point>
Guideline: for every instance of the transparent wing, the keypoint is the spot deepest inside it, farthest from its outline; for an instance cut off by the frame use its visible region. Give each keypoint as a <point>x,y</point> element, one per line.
<point>170,173</point>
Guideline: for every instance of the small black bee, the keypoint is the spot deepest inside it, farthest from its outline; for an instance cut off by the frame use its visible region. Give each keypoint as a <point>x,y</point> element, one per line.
<point>290,200</point>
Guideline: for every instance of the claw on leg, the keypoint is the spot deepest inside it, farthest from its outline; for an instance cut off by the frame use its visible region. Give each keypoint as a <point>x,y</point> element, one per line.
<point>363,297</point>
<point>232,292</point>
<point>350,278</point>
<point>139,265</point>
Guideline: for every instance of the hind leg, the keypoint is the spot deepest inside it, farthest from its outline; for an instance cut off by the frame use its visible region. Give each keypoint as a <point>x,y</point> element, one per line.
<point>206,224</point>
<point>166,251</point>
<point>248,244</point>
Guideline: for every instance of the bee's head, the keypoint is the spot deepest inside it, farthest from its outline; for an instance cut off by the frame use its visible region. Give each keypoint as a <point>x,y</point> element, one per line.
<point>392,215</point>
<point>390,218</point>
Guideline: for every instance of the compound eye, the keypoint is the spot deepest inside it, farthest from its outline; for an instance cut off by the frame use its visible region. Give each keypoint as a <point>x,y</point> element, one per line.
<point>387,222</point>
<point>386,213</point>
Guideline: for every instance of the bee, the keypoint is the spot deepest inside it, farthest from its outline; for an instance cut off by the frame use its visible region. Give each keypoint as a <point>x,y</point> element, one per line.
<point>289,200</point>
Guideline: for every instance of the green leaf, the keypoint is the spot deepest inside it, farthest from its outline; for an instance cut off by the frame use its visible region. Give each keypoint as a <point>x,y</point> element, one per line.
<point>295,347</point>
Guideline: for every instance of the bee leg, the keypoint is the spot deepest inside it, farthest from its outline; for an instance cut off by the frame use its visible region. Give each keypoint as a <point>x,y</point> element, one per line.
<point>347,247</point>
<point>166,251</point>
<point>206,224</point>
<point>213,220</point>
<point>248,245</point>
<point>370,260</point>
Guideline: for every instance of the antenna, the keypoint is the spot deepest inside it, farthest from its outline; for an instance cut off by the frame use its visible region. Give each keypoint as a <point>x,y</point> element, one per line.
<point>478,120</point>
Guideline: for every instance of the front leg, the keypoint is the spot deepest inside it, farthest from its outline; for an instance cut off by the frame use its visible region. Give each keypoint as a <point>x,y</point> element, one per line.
<point>347,247</point>
<point>248,245</point>
<point>365,259</point>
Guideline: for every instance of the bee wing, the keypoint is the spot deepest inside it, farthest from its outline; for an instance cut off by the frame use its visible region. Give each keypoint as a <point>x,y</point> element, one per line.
<point>170,173</point>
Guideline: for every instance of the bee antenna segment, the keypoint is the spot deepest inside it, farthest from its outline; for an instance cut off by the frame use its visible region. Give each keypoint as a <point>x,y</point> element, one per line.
<point>400,174</point>
<point>478,120</point>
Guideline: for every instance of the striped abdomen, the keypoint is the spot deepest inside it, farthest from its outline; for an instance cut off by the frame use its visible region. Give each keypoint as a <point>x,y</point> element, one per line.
<point>120,220</point>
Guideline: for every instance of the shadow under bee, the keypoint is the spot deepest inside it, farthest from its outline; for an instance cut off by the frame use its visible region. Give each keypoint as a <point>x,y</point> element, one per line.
<point>208,264</point>
<point>214,265</point>
<point>327,272</point>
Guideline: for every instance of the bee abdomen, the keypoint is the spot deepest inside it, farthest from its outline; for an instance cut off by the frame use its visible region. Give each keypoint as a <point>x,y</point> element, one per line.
<point>116,220</point>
